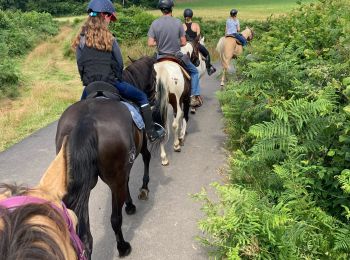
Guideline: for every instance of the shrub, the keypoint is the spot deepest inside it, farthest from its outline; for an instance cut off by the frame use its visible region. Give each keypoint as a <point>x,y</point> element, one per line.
<point>288,119</point>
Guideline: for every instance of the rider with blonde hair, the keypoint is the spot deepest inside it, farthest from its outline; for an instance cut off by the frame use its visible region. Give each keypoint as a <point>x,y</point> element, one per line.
<point>99,59</point>
<point>233,27</point>
<point>193,30</point>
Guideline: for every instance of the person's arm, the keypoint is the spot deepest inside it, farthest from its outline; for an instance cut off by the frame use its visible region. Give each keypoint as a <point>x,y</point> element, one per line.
<point>226,27</point>
<point>182,35</point>
<point>119,58</point>
<point>197,29</point>
<point>151,42</point>
<point>238,26</point>
<point>183,40</point>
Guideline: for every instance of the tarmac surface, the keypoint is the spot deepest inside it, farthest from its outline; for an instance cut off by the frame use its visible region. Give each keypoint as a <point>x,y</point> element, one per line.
<point>166,225</point>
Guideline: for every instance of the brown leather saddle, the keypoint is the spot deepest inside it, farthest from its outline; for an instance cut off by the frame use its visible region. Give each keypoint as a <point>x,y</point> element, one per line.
<point>232,36</point>
<point>102,89</point>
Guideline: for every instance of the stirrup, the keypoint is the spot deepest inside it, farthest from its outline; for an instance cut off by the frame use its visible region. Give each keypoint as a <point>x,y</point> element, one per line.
<point>157,133</point>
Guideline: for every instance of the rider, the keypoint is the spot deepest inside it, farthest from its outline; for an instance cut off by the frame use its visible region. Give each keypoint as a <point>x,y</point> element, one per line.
<point>233,27</point>
<point>192,31</point>
<point>168,35</point>
<point>99,59</point>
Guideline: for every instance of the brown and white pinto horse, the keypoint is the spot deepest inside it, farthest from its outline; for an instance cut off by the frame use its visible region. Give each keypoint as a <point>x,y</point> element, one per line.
<point>33,222</point>
<point>171,79</point>
<point>228,48</point>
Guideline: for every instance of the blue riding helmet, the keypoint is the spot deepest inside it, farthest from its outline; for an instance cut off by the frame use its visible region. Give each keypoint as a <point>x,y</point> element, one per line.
<point>102,6</point>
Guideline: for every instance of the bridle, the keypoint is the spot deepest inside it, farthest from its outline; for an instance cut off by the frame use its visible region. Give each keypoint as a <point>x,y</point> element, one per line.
<point>14,202</point>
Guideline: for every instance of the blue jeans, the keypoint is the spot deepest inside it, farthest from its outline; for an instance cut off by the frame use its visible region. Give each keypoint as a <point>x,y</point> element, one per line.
<point>128,91</point>
<point>241,38</point>
<point>195,88</point>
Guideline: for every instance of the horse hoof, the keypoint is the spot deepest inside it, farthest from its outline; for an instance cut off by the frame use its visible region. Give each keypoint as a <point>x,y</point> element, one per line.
<point>165,163</point>
<point>193,110</point>
<point>124,249</point>
<point>130,209</point>
<point>143,194</point>
<point>177,149</point>
<point>182,142</point>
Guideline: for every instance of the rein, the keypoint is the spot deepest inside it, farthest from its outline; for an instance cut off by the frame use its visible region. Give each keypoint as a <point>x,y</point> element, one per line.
<point>14,202</point>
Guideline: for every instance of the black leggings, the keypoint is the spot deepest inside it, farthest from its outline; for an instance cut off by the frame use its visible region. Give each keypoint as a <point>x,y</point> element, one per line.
<point>203,50</point>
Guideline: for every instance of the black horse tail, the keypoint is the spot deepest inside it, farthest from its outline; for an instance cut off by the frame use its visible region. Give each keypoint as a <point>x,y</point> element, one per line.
<point>160,112</point>
<point>83,166</point>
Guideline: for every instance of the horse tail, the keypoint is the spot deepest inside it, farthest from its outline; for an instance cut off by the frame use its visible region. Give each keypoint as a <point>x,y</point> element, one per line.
<point>83,166</point>
<point>161,111</point>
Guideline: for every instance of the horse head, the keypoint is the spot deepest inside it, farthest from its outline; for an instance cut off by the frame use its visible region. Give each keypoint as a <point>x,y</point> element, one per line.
<point>37,218</point>
<point>249,33</point>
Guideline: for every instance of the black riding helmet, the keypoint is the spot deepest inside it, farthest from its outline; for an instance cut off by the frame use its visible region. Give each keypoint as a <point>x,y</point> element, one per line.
<point>165,5</point>
<point>188,13</point>
<point>233,12</point>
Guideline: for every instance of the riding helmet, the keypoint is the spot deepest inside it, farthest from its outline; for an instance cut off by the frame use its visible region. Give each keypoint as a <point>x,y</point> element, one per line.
<point>102,6</point>
<point>233,12</point>
<point>188,13</point>
<point>165,4</point>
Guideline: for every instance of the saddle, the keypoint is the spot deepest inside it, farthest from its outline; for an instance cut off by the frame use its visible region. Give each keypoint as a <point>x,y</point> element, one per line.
<point>178,61</point>
<point>102,89</point>
<point>232,36</point>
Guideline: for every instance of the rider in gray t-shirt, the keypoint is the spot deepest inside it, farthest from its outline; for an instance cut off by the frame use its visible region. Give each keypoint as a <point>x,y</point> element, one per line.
<point>168,35</point>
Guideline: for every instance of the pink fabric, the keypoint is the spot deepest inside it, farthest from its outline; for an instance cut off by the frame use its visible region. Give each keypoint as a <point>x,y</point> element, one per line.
<point>17,201</point>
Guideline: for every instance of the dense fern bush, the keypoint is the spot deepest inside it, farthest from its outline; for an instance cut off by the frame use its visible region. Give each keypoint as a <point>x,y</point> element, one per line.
<point>19,32</point>
<point>288,119</point>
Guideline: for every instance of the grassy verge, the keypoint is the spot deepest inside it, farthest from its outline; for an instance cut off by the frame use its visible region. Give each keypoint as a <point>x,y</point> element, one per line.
<point>248,9</point>
<point>50,83</point>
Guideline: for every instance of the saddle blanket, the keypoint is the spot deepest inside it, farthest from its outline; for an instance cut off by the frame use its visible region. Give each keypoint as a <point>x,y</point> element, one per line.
<point>136,115</point>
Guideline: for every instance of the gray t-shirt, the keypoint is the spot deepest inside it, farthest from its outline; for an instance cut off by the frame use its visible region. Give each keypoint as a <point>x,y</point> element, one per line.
<point>232,26</point>
<point>167,31</point>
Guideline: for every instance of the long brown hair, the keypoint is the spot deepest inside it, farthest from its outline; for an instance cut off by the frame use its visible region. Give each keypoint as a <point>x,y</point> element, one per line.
<point>97,34</point>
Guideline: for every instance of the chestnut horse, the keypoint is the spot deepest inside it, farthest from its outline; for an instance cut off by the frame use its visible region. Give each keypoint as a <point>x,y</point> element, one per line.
<point>34,223</point>
<point>228,48</point>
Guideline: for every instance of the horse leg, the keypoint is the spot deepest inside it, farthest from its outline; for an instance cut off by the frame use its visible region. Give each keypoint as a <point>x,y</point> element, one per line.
<point>176,128</point>
<point>223,77</point>
<point>146,157</point>
<point>130,208</point>
<point>163,156</point>
<point>118,198</point>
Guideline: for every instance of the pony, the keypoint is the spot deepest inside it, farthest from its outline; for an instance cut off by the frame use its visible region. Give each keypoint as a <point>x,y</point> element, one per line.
<point>228,48</point>
<point>104,142</point>
<point>34,223</point>
<point>175,81</point>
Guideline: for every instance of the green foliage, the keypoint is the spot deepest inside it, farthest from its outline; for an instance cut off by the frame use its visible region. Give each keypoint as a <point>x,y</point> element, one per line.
<point>288,118</point>
<point>19,32</point>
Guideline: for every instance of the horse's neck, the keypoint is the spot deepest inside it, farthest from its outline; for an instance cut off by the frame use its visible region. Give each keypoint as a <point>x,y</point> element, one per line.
<point>246,33</point>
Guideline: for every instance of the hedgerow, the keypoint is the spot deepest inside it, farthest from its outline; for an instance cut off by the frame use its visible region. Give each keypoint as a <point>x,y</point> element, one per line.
<point>288,119</point>
<point>19,33</point>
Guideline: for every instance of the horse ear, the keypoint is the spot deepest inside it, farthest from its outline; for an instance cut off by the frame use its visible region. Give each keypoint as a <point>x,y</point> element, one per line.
<point>55,179</point>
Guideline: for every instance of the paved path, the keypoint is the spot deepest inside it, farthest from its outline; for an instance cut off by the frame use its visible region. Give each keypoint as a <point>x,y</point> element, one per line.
<point>165,226</point>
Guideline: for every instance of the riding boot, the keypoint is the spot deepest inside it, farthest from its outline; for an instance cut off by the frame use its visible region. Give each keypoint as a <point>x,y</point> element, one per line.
<point>152,133</point>
<point>210,68</point>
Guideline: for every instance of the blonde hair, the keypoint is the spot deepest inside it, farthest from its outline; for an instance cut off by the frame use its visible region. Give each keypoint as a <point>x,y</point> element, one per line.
<point>188,19</point>
<point>97,34</point>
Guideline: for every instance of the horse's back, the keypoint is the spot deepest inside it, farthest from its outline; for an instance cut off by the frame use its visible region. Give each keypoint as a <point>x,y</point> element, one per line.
<point>107,116</point>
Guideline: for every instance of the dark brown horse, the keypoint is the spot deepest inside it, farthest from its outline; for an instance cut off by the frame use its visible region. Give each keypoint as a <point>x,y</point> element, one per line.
<point>104,141</point>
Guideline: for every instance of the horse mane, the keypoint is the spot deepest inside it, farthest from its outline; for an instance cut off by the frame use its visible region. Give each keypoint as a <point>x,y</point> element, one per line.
<point>141,74</point>
<point>21,239</point>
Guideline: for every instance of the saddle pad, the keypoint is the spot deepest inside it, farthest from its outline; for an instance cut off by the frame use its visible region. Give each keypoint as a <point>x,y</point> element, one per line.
<point>136,116</point>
